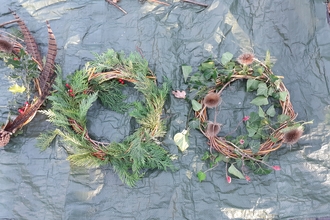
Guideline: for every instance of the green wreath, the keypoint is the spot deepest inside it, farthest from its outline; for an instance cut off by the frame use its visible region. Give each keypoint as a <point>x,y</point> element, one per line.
<point>103,79</point>
<point>267,128</point>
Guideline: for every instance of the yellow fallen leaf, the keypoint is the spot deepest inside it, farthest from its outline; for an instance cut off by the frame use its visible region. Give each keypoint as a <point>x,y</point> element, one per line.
<point>181,140</point>
<point>16,89</point>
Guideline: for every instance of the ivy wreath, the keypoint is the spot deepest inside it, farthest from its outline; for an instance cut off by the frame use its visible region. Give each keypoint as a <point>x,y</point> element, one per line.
<point>267,129</point>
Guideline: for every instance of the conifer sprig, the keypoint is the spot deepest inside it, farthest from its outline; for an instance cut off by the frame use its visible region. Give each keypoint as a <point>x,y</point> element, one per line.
<point>72,99</point>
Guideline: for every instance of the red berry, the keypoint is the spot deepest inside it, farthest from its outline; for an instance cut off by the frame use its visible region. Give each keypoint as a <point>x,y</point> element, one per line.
<point>21,111</point>
<point>68,86</point>
<point>70,90</point>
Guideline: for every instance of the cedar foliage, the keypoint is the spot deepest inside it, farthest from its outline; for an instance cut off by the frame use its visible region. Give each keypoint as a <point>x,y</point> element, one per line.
<point>138,152</point>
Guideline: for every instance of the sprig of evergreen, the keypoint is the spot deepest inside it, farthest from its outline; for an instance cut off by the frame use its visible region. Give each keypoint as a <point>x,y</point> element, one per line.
<point>71,101</point>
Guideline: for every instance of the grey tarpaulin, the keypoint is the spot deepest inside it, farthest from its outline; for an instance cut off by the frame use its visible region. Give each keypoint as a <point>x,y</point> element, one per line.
<point>42,185</point>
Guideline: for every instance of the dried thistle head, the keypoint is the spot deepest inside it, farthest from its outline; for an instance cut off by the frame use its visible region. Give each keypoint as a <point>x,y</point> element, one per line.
<point>4,137</point>
<point>212,100</point>
<point>292,136</point>
<point>212,129</point>
<point>5,46</point>
<point>246,58</point>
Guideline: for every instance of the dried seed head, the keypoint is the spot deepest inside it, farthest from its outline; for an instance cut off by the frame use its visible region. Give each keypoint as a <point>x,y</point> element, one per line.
<point>212,129</point>
<point>292,136</point>
<point>246,58</point>
<point>5,46</point>
<point>212,100</point>
<point>4,138</point>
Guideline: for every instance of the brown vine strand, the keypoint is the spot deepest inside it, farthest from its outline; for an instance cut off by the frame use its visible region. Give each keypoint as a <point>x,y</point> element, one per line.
<point>80,130</point>
<point>196,3</point>
<point>116,5</point>
<point>105,76</point>
<point>229,149</point>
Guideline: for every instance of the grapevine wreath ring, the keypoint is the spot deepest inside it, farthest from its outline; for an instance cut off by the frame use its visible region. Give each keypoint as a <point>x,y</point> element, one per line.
<point>103,79</point>
<point>259,78</point>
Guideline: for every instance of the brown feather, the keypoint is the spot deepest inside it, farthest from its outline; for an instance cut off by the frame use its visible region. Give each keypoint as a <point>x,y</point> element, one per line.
<point>47,75</point>
<point>31,45</point>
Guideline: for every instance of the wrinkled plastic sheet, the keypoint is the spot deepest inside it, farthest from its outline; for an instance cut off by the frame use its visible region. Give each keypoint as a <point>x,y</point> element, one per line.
<point>43,185</point>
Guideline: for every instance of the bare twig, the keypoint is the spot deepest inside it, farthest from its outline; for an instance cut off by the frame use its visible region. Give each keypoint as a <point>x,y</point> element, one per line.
<point>196,3</point>
<point>160,2</point>
<point>140,51</point>
<point>117,6</point>
<point>9,22</point>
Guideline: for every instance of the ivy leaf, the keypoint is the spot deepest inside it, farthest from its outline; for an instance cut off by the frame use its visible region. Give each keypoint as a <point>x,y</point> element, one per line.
<point>265,158</point>
<point>274,78</point>
<point>260,70</point>
<point>219,158</point>
<point>226,58</point>
<point>260,100</point>
<point>254,118</point>
<point>196,105</point>
<point>262,171</point>
<point>186,70</point>
<point>271,90</point>
<point>194,124</point>
<point>251,130</point>
<point>255,146</point>
<point>261,112</point>
<point>282,118</point>
<point>262,89</point>
<point>271,111</point>
<point>233,170</point>
<point>252,85</point>
<point>181,140</point>
<point>195,78</point>
<point>201,176</point>
<point>283,95</point>
<point>16,89</point>
<point>207,65</point>
<point>210,73</point>
<point>206,156</point>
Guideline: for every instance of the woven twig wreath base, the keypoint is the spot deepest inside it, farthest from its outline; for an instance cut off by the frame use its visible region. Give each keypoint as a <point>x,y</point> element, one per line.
<point>228,148</point>
<point>101,77</point>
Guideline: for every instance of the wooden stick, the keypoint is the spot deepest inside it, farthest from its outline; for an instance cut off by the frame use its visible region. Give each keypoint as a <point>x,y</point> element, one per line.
<point>160,2</point>
<point>9,22</point>
<point>117,6</point>
<point>196,3</point>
